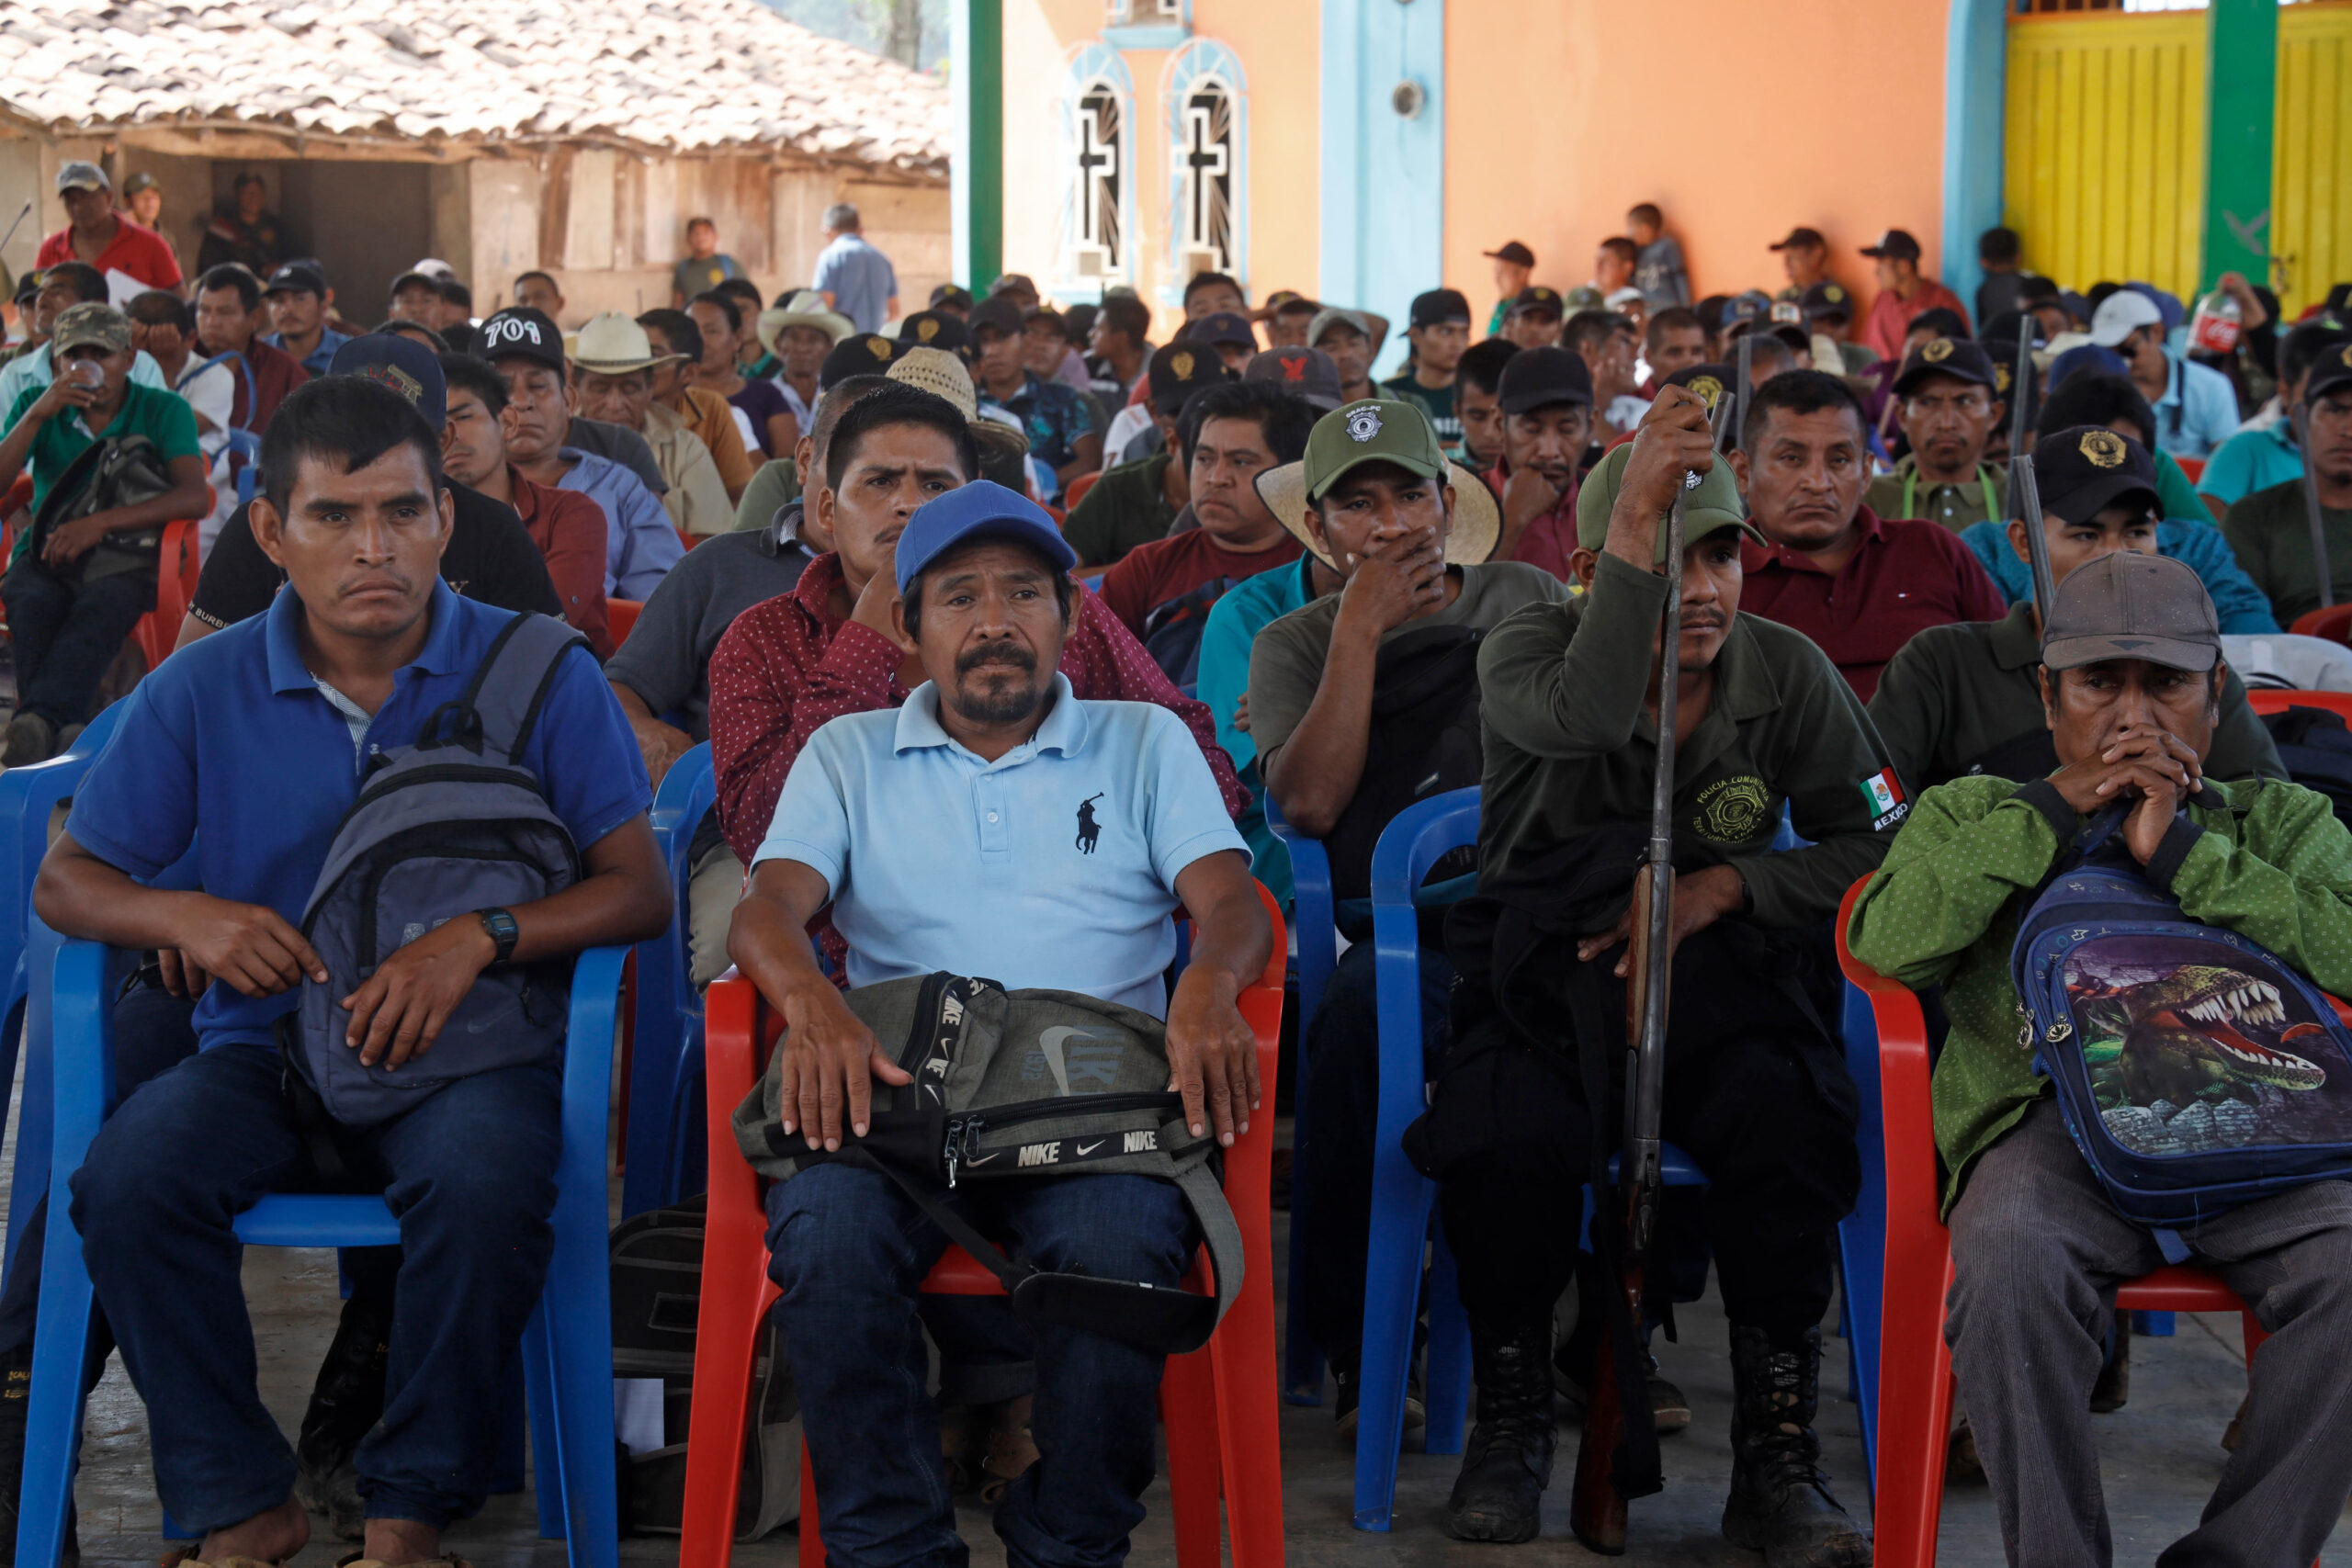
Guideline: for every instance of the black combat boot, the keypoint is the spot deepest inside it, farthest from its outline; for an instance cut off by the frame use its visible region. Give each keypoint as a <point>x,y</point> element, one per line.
<point>345,1402</point>
<point>1507,1461</point>
<point>1780,1504</point>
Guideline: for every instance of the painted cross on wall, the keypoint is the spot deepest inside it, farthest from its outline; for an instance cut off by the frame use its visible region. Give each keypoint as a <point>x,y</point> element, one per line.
<point>1099,177</point>
<point>1208,170</point>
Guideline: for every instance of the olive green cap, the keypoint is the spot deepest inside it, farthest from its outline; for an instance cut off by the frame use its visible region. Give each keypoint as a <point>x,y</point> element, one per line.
<point>91,324</point>
<point>1372,430</point>
<point>1712,507</point>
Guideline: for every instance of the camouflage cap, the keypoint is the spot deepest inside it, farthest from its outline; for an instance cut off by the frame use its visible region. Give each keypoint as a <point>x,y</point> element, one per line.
<point>91,324</point>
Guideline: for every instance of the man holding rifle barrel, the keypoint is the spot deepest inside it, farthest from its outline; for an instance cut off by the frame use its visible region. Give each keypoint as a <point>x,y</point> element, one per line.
<point>1753,1086</point>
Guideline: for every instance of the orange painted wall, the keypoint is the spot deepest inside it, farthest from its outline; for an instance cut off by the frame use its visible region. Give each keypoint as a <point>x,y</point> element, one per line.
<point>1276,43</point>
<point>1821,112</point>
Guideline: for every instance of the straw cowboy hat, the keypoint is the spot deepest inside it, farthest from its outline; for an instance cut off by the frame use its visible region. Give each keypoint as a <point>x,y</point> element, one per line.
<point>612,344</point>
<point>805,308</point>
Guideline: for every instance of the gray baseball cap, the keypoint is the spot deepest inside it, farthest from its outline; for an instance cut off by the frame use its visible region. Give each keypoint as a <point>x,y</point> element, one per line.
<point>1331,315</point>
<point>2133,606</point>
<point>78,174</point>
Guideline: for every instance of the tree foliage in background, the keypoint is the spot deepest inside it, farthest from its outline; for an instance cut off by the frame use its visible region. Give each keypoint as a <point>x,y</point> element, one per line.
<point>913,32</point>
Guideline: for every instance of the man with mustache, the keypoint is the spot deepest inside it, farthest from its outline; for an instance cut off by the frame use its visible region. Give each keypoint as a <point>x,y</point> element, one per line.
<point>1756,1090</point>
<point>248,750</point>
<point>788,665</point>
<point>1084,823</point>
<point>2132,679</point>
<point>1858,585</point>
<point>1948,403</point>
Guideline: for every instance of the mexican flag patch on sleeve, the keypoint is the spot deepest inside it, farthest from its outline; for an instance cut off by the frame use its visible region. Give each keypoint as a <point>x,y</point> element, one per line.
<point>1883,793</point>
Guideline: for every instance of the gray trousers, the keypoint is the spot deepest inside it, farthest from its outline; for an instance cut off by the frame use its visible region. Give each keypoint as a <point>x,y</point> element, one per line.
<point>714,886</point>
<point>2038,1252</point>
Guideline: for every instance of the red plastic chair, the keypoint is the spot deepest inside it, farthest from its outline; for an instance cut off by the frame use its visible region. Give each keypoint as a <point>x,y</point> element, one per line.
<point>1218,1403</point>
<point>1078,488</point>
<point>2192,467</point>
<point>620,618</point>
<point>689,540</point>
<point>2271,700</point>
<point>2335,624</point>
<point>1914,1384</point>
<point>159,628</point>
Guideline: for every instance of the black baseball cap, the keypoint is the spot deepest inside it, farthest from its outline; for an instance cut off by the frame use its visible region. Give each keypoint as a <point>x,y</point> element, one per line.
<point>1304,373</point>
<point>1802,236</point>
<point>2004,357</point>
<point>1512,251</point>
<point>1181,369</point>
<point>404,365</point>
<point>996,313</point>
<point>412,280</point>
<point>1826,300</point>
<point>1710,382</point>
<point>1896,244</point>
<point>1438,307</point>
<point>1535,296</point>
<point>936,329</point>
<point>1955,356</point>
<point>1538,377</point>
<point>951,294</point>
<point>2132,606</point>
<point>1222,327</point>
<point>2082,471</point>
<point>2332,371</point>
<point>298,277</point>
<point>520,332</point>
<point>860,353</point>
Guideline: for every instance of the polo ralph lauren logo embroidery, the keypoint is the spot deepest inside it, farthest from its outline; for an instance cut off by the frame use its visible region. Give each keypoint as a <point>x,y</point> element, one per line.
<point>1090,827</point>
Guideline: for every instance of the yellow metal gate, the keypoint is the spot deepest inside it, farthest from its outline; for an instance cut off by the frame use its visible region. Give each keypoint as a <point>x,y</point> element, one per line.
<point>2311,226</point>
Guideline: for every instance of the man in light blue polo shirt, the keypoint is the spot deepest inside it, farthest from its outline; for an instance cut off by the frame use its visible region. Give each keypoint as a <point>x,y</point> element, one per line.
<point>250,747</point>
<point>2258,457</point>
<point>994,824</point>
<point>2195,407</point>
<point>856,278</point>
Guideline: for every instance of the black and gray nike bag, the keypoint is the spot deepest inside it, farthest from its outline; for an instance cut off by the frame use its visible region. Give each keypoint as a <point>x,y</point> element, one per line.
<point>1021,1084</point>
<point>444,827</point>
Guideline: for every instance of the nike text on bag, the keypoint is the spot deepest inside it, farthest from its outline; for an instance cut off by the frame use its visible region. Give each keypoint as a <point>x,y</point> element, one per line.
<point>445,827</point>
<point>1026,1083</point>
<point>2195,1069</point>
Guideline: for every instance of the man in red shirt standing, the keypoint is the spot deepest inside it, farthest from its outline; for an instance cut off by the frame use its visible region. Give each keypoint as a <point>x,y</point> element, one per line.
<point>1229,434</point>
<point>103,237</point>
<point>1903,292</point>
<point>1857,584</point>
<point>229,319</point>
<point>837,643</point>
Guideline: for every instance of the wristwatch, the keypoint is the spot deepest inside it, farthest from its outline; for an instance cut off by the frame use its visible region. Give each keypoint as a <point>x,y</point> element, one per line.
<point>504,932</point>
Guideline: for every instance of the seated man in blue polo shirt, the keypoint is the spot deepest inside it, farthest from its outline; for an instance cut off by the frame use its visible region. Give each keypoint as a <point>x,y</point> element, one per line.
<point>994,824</point>
<point>249,746</point>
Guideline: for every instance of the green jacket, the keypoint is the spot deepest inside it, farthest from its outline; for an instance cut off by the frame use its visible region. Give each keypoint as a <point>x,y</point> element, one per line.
<point>1568,746</point>
<point>1952,694</point>
<point>2270,862</point>
<point>1127,507</point>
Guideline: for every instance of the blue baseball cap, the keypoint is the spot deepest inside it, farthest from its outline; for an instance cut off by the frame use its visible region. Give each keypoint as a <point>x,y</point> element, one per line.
<point>2086,358</point>
<point>981,510</point>
<point>404,365</point>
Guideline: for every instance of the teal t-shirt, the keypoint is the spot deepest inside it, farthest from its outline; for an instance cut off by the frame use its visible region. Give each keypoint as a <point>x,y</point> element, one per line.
<point>163,418</point>
<point>1436,403</point>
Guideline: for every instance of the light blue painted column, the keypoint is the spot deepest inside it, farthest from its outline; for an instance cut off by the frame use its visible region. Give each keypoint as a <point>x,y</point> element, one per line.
<point>1975,88</point>
<point>1379,60</point>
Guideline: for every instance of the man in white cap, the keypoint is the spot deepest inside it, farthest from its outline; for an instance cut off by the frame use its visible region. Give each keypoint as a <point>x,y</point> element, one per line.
<point>98,234</point>
<point>798,334</point>
<point>612,380</point>
<point>2196,409</point>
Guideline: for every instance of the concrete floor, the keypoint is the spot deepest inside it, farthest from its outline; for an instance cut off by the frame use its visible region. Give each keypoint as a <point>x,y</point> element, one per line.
<point>2161,1459</point>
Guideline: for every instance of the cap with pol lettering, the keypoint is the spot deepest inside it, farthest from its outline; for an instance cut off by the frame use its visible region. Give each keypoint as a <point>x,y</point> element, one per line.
<point>2133,606</point>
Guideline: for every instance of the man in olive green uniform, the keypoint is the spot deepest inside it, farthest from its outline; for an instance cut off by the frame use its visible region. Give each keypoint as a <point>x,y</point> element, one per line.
<point>1950,402</point>
<point>2269,529</point>
<point>1965,698</point>
<point>1756,1088</point>
<point>1134,503</point>
<point>2132,661</point>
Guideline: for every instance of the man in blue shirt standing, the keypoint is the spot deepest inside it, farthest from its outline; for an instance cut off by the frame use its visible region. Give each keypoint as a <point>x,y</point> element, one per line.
<point>249,747</point>
<point>994,824</point>
<point>856,278</point>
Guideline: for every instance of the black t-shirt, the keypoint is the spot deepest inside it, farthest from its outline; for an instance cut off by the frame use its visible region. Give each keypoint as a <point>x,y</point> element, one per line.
<point>491,559</point>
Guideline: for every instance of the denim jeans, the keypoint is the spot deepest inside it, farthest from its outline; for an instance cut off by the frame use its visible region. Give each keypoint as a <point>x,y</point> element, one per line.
<point>1341,1099</point>
<point>65,633</point>
<point>850,1250</point>
<point>470,1173</point>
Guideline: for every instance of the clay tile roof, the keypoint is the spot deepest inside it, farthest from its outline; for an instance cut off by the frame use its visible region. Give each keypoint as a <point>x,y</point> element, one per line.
<point>679,75</point>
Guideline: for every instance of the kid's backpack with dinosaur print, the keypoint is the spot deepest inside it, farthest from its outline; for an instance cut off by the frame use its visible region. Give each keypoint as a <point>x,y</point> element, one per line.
<point>2196,1070</point>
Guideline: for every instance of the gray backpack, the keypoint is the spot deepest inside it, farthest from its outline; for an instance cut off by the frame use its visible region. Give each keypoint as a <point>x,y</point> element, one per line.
<point>445,827</point>
<point>1012,1084</point>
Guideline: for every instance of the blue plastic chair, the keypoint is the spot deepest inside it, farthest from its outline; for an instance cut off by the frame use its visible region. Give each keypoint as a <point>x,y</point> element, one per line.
<point>1316,933</point>
<point>27,797</point>
<point>664,1154</point>
<point>1401,1195</point>
<point>1862,1235</point>
<point>567,1349</point>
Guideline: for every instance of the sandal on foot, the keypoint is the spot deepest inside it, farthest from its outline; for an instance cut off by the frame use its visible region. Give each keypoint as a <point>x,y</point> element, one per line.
<point>1012,1450</point>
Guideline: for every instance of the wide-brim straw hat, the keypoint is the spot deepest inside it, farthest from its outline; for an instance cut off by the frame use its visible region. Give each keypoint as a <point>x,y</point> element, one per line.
<point>1477,515</point>
<point>805,308</point>
<point>942,374</point>
<point>609,344</point>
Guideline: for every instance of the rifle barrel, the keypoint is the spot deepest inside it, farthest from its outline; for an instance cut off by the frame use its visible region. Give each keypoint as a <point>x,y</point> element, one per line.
<point>1745,380</point>
<point>2021,390</point>
<point>2311,517</point>
<point>2036,546</point>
